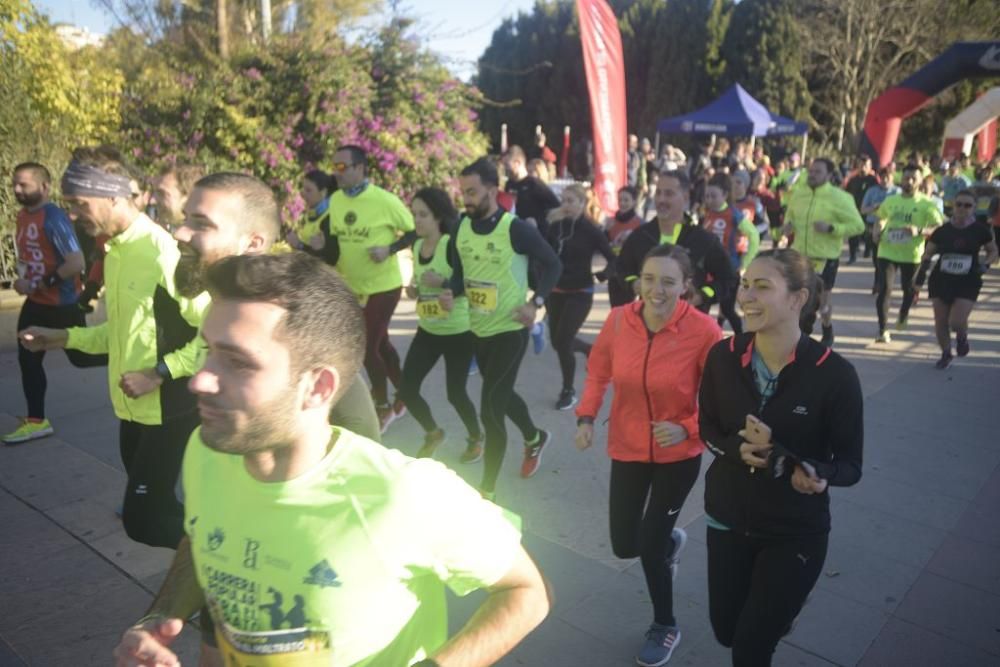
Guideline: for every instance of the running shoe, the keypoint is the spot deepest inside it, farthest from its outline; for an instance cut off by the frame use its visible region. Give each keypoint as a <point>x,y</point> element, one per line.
<point>533,454</point>
<point>680,538</point>
<point>538,337</point>
<point>431,441</point>
<point>902,323</point>
<point>30,429</point>
<point>884,337</point>
<point>962,345</point>
<point>386,415</point>
<point>567,399</point>
<point>661,640</point>
<point>399,408</point>
<point>488,495</point>
<point>474,451</point>
<point>944,361</point>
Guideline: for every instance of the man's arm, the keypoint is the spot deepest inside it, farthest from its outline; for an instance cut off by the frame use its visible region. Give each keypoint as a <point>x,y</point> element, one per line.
<point>527,240</point>
<point>146,642</point>
<point>848,221</point>
<point>516,605</point>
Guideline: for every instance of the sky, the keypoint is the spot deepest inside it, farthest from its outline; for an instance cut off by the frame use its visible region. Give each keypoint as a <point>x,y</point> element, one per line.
<point>458,30</point>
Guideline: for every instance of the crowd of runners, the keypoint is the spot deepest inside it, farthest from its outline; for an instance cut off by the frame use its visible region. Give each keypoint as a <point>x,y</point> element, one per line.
<point>235,358</point>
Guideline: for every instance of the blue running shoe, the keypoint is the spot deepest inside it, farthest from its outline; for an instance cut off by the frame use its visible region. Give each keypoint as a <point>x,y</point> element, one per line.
<point>660,643</point>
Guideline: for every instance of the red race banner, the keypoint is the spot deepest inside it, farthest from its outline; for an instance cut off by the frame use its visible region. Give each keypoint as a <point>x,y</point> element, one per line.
<point>605,66</point>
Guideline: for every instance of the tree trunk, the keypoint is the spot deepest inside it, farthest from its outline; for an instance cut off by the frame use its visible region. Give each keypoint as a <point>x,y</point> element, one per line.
<point>222,27</point>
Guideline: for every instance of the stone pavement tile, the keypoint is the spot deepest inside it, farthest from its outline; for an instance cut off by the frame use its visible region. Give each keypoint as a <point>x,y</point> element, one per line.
<point>902,644</point>
<point>920,505</point>
<point>558,644</point>
<point>8,657</point>
<point>885,535</point>
<point>979,523</point>
<point>93,517</point>
<point>139,560</point>
<point>971,563</point>
<point>965,614</point>
<point>26,533</point>
<point>836,628</point>
<point>27,470</point>
<point>856,573</point>
<point>94,432</point>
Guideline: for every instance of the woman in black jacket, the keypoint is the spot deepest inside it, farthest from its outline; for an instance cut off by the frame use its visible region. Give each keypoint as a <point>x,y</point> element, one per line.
<point>576,239</point>
<point>783,416</point>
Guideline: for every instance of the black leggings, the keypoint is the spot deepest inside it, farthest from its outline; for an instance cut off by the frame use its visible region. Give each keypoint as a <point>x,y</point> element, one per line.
<point>727,307</point>
<point>33,379</point>
<point>381,358</point>
<point>645,501</point>
<point>756,588</point>
<point>567,313</point>
<point>424,352</point>
<point>886,276</point>
<point>499,359</point>
<point>152,456</point>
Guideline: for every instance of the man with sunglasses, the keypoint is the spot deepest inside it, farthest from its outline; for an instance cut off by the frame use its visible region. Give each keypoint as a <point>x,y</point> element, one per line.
<point>905,220</point>
<point>368,225</point>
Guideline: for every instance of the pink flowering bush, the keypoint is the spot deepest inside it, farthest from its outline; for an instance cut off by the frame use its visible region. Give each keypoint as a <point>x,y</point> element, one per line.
<point>282,110</point>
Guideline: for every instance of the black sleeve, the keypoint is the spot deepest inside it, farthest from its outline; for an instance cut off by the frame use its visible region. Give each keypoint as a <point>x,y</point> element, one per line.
<point>843,417</point>
<point>628,265</point>
<point>547,197</point>
<point>725,447</point>
<point>331,250</point>
<point>601,242</point>
<point>526,240</point>
<point>404,241</point>
<point>457,281</point>
<point>717,263</point>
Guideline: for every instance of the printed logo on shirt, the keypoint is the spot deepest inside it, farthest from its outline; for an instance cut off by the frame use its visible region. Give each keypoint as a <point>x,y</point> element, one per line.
<point>322,575</point>
<point>215,539</point>
<point>800,410</point>
<point>350,218</point>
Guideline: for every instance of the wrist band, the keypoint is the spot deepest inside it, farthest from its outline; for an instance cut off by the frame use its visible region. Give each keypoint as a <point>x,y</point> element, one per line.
<point>149,617</point>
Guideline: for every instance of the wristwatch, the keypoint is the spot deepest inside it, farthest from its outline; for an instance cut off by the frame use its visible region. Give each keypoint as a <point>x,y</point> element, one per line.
<point>163,371</point>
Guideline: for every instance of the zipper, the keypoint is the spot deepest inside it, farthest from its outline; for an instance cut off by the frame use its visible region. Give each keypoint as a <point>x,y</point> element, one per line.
<point>645,389</point>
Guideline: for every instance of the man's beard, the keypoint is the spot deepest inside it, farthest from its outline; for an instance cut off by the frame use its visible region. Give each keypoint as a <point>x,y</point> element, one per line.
<point>478,211</point>
<point>29,200</point>
<point>271,426</point>
<point>189,275</point>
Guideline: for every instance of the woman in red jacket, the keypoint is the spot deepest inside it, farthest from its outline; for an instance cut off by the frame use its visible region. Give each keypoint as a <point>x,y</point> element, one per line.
<point>652,352</point>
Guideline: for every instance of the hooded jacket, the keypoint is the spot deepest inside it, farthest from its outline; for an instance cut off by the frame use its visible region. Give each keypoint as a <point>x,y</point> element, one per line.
<point>807,206</point>
<point>655,377</point>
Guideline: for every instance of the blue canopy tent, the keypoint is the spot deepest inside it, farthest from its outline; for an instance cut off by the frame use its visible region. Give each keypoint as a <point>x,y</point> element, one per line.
<point>734,114</point>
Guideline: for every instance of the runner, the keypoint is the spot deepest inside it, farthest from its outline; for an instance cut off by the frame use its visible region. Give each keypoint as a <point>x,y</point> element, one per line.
<point>576,238</point>
<point>439,333</point>
<point>236,214</point>
<point>149,337</point>
<point>308,543</point>
<point>905,220</point>
<point>489,256</point>
<point>533,199</point>
<point>783,416</point>
<point>49,266</point>
<point>746,198</point>
<point>874,197</point>
<point>317,186</point>
<point>625,221</point>
<point>957,276</point>
<point>368,226</point>
<point>861,180</point>
<point>821,216</point>
<point>171,188</point>
<point>738,236</point>
<point>653,353</point>
<point>712,268</point>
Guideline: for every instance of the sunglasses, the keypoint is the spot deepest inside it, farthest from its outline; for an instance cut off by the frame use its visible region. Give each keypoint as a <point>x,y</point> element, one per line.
<point>341,167</point>
<point>960,204</point>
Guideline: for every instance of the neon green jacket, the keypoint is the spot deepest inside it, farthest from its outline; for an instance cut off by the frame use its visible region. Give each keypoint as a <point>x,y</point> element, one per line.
<point>148,322</point>
<point>807,206</point>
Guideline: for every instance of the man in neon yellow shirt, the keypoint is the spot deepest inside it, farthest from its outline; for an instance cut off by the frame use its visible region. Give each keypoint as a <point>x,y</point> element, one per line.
<point>904,222</point>
<point>309,544</point>
<point>368,225</point>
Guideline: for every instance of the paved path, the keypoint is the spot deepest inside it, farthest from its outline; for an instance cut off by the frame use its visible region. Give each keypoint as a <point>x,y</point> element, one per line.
<point>912,578</point>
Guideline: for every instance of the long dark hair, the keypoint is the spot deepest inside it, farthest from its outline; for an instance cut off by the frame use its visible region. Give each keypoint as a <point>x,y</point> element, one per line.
<point>441,207</point>
<point>798,273</point>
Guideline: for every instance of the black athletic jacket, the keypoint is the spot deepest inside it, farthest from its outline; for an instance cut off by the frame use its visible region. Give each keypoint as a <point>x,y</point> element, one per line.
<point>815,413</point>
<point>708,258</point>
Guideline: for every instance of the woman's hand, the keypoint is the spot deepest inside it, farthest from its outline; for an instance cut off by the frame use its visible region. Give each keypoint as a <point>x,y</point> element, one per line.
<point>669,433</point>
<point>584,436</point>
<point>754,455</point>
<point>805,480</point>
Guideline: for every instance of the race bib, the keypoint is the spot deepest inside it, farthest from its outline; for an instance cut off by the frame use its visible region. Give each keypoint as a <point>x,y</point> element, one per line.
<point>428,308</point>
<point>956,265</point>
<point>301,647</point>
<point>482,296</point>
<point>898,235</point>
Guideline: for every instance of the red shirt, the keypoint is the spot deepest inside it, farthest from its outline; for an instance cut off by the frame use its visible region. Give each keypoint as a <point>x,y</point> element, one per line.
<point>655,378</point>
<point>44,237</point>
